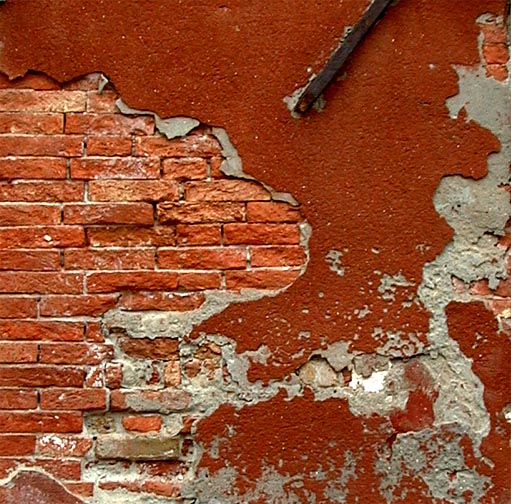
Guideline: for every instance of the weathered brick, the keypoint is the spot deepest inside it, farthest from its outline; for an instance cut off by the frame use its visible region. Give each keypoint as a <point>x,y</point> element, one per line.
<point>199,234</point>
<point>140,280</point>
<point>202,258</point>
<point>189,146</point>
<point>146,348</point>
<point>199,281</point>
<point>108,259</point>
<point>495,53</point>
<point>109,213</point>
<point>101,102</point>
<point>40,422</point>
<point>146,423</point>
<point>132,237</point>
<point>41,330</point>
<point>115,168</point>
<point>168,301</point>
<point>40,282</point>
<point>73,399</point>
<point>108,124</point>
<point>41,237</point>
<point>120,447</point>
<point>225,190</point>
<point>108,146</point>
<point>11,399</point>
<point>272,211</point>
<point>277,256</point>
<point>26,123</point>
<point>54,445</point>
<point>159,487</point>
<point>32,168</point>
<point>65,469</point>
<point>261,234</point>
<point>40,376</point>
<point>260,279</point>
<point>31,81</point>
<point>75,353</point>
<point>150,401</point>
<point>17,307</point>
<point>29,260</point>
<point>80,489</point>
<point>70,306</point>
<point>128,190</point>
<point>11,446</point>
<point>195,213</point>
<point>29,214</point>
<point>11,353</point>
<point>185,168</point>
<point>494,33</point>
<point>47,145</point>
<point>27,100</point>
<point>56,191</point>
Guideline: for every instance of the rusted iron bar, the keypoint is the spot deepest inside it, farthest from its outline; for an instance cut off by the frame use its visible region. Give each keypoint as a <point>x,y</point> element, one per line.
<point>318,84</point>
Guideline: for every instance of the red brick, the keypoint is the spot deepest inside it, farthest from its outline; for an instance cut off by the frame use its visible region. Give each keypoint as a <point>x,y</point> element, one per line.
<point>18,399</point>
<point>132,237</point>
<point>75,353</point>
<point>27,100</point>
<point>193,213</point>
<point>47,145</point>
<point>261,234</point>
<point>65,469</point>
<point>149,401</point>
<point>167,301</point>
<point>225,190</point>
<point>108,146</point>
<point>202,258</point>
<point>89,82</point>
<point>199,234</point>
<point>73,399</point>
<point>113,375</point>
<point>497,71</point>
<point>40,422</point>
<point>107,259</point>
<point>63,446</point>
<point>109,124</point>
<point>11,446</point>
<point>17,307</point>
<point>102,102</point>
<point>199,281</point>
<point>109,213</point>
<point>26,123</point>
<point>146,348</point>
<point>39,330</point>
<point>149,423</point>
<point>260,279</point>
<point>28,214</point>
<point>81,489</point>
<point>494,34</point>
<point>29,260</point>
<point>29,81</point>
<point>157,487</point>
<point>277,256</point>
<point>185,168</point>
<point>93,332</point>
<point>128,190</point>
<point>11,353</point>
<point>115,168</point>
<point>40,237</point>
<point>32,168</point>
<point>215,167</point>
<point>189,146</point>
<point>41,283</point>
<point>40,376</point>
<point>495,53</point>
<point>272,211</point>
<point>70,306</point>
<point>41,191</point>
<point>501,307</point>
<point>140,280</point>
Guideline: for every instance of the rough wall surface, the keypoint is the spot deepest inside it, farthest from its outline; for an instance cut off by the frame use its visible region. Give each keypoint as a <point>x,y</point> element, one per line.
<point>263,308</point>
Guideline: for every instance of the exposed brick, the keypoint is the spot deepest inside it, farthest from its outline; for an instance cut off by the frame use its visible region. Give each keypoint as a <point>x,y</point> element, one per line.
<point>497,71</point>
<point>199,234</point>
<point>167,301</point>
<point>260,279</point>
<point>70,306</point>
<point>69,399</point>
<point>29,214</point>
<point>93,332</point>
<point>202,258</point>
<point>17,307</point>
<point>11,446</point>
<point>40,330</point>
<point>11,353</point>
<point>132,237</point>
<point>128,190</point>
<point>27,100</point>
<point>108,146</point>
<point>11,399</point>
<point>199,281</point>
<point>32,168</point>
<point>272,211</point>
<point>172,374</point>
<point>82,489</point>
<point>150,401</point>
<point>47,145</point>
<point>29,260</point>
<point>140,280</point>
<point>225,190</point>
<point>146,348</point>
<point>29,81</point>
<point>148,423</point>
<point>89,82</point>
<point>25,123</point>
<point>113,375</point>
<point>41,237</point>
<point>41,191</point>
<point>40,376</point>
<point>495,53</point>
<point>189,146</point>
<point>215,167</point>
<point>119,447</point>
<point>75,353</point>
<point>115,168</point>
<point>277,256</point>
<point>42,283</point>
<point>109,124</point>
<point>185,168</point>
<point>108,259</point>
<point>158,487</point>
<point>65,469</point>
<point>109,213</point>
<point>101,102</point>
<point>40,422</point>
<point>54,445</point>
<point>494,34</point>
<point>261,234</point>
<point>195,213</point>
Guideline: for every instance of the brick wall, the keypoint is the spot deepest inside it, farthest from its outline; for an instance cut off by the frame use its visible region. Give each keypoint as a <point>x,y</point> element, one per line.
<point>100,212</point>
